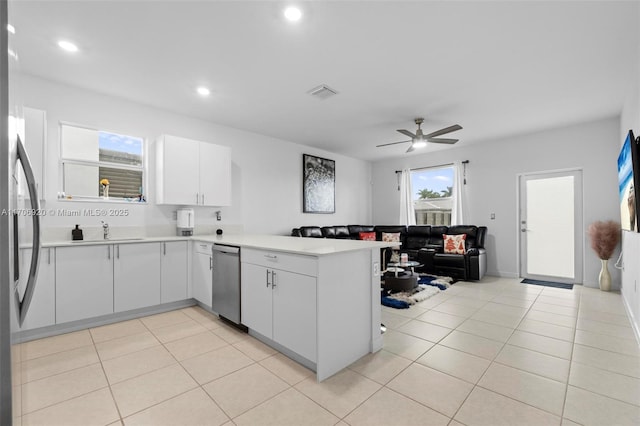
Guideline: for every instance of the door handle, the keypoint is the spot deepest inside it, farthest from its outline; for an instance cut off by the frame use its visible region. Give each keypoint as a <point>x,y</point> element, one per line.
<point>35,253</point>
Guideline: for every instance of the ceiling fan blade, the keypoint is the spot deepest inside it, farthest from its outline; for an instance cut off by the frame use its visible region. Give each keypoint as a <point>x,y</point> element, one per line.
<point>392,143</point>
<point>411,148</point>
<point>442,140</point>
<point>444,131</point>
<point>407,133</point>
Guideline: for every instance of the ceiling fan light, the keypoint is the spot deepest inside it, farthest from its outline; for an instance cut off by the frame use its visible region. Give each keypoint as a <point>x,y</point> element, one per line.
<point>419,144</point>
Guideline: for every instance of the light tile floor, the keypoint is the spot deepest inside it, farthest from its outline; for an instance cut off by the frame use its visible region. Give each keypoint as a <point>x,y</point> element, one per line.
<point>488,353</point>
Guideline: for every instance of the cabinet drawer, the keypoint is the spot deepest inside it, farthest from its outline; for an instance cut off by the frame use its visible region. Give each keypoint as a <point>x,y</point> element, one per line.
<point>307,265</point>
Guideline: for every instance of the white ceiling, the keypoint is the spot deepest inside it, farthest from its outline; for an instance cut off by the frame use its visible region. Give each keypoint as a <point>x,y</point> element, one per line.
<point>495,68</point>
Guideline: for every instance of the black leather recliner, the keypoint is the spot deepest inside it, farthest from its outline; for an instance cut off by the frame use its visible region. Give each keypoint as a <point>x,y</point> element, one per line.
<point>469,266</point>
<point>423,243</point>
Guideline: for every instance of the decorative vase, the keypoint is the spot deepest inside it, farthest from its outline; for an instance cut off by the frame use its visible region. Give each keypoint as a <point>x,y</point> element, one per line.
<point>105,191</point>
<point>605,276</point>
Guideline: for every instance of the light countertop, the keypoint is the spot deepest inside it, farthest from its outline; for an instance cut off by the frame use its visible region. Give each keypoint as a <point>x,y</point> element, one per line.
<point>115,240</point>
<point>297,245</point>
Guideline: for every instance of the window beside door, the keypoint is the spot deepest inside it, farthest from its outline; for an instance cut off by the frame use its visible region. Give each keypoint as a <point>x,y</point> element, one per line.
<point>432,191</point>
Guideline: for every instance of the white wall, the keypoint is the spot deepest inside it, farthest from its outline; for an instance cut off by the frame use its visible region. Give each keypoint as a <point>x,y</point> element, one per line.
<point>492,182</point>
<point>267,172</point>
<point>630,119</point>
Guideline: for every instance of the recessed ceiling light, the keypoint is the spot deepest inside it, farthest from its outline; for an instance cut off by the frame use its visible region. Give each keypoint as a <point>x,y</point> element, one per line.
<point>292,14</point>
<point>11,29</point>
<point>68,46</point>
<point>203,91</point>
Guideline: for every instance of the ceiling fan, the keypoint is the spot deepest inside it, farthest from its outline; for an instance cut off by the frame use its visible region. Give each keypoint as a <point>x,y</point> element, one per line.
<point>420,140</point>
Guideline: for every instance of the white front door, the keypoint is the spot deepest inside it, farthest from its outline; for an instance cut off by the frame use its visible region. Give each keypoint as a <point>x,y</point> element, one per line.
<point>550,225</point>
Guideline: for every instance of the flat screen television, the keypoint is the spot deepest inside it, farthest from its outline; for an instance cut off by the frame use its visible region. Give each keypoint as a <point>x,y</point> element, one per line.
<point>629,182</point>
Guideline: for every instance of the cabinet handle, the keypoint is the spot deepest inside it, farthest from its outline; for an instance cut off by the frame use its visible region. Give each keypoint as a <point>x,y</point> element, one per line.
<point>271,257</point>
<point>49,256</point>
<point>273,279</point>
<point>164,248</point>
<point>118,246</point>
<point>210,263</point>
<point>203,199</point>
<point>109,252</point>
<point>267,278</point>
<point>197,198</point>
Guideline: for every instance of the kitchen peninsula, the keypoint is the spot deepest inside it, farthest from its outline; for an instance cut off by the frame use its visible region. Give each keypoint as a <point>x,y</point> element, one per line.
<point>315,300</point>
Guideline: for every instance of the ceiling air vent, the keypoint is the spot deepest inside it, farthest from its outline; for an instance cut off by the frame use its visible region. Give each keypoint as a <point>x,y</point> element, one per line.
<point>322,92</point>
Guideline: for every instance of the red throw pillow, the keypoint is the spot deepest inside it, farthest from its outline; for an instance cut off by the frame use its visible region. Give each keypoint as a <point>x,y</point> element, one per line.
<point>367,236</point>
<point>454,244</point>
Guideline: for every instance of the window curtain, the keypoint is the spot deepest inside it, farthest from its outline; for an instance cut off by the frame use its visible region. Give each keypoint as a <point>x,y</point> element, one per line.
<point>457,211</point>
<point>407,214</point>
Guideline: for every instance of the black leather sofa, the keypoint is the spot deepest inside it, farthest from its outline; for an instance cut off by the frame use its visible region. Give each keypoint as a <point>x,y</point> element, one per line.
<point>422,243</point>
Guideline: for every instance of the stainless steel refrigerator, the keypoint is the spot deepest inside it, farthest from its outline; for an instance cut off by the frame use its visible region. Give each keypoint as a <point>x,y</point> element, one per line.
<point>19,227</point>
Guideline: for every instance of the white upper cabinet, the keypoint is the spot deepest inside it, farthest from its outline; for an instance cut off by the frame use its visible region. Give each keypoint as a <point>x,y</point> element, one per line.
<point>192,173</point>
<point>215,175</point>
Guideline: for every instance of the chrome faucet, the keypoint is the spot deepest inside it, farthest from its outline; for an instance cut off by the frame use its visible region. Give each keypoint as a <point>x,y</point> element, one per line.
<point>105,229</point>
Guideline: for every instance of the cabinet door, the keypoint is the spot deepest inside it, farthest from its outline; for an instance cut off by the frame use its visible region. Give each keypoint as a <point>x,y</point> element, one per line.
<point>202,278</point>
<point>215,175</point>
<point>136,276</point>
<point>173,271</point>
<point>256,299</point>
<point>178,176</point>
<point>84,282</point>
<point>294,312</point>
<point>42,310</point>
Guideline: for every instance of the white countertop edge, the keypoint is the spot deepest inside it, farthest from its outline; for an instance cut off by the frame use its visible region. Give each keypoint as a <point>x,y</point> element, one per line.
<point>123,240</point>
<point>287,244</point>
<point>296,245</point>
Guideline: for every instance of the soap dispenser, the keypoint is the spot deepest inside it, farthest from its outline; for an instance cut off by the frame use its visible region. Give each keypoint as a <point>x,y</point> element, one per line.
<point>76,234</point>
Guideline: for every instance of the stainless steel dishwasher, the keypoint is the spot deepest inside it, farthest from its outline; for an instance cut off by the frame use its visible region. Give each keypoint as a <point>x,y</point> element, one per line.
<point>226,282</point>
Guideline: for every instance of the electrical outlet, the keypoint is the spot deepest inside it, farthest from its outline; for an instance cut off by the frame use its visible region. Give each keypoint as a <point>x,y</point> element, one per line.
<point>376,269</point>
<point>493,216</point>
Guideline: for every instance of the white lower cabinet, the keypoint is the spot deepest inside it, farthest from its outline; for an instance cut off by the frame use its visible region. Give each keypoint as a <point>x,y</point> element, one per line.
<point>202,283</point>
<point>42,310</point>
<point>84,282</point>
<point>173,271</point>
<point>280,304</point>
<point>256,299</point>
<point>95,280</point>
<point>136,276</point>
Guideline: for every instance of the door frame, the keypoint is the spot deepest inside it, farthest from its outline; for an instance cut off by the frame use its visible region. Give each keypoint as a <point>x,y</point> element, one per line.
<point>578,224</point>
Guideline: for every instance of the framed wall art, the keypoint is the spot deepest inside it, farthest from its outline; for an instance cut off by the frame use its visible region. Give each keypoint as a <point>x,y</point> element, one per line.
<point>318,184</point>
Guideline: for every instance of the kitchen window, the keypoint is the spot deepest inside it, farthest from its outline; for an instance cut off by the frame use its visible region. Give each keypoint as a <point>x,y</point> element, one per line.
<point>100,165</point>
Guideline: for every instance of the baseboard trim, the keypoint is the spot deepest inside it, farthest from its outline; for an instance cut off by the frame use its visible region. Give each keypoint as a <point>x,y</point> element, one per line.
<point>68,327</point>
<point>635,323</point>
